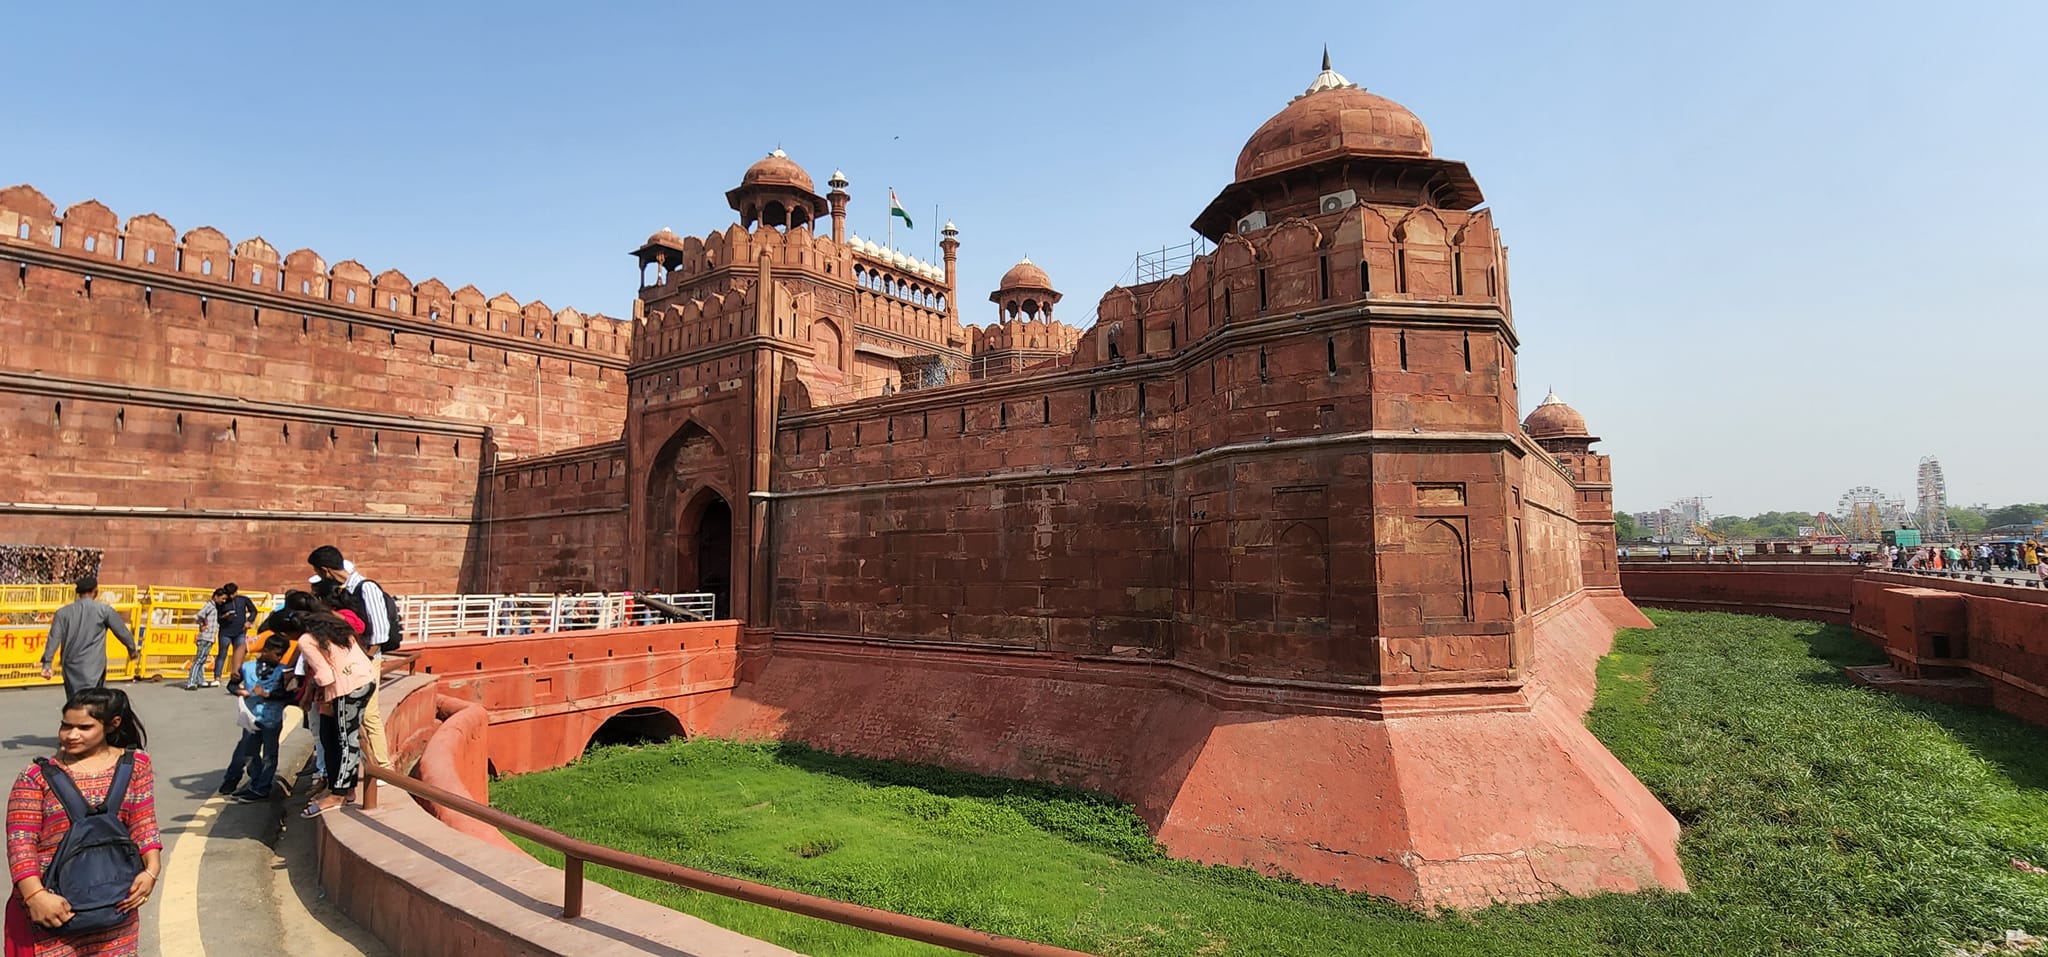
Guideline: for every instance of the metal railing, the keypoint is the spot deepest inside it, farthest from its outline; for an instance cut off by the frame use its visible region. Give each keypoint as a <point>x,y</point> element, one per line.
<point>576,853</point>
<point>431,618</point>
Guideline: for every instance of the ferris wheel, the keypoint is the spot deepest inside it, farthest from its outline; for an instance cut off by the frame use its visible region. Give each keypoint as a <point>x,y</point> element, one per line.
<point>1865,513</point>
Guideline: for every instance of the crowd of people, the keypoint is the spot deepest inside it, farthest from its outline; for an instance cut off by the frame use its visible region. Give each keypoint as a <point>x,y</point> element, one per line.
<point>2025,557</point>
<point>83,849</point>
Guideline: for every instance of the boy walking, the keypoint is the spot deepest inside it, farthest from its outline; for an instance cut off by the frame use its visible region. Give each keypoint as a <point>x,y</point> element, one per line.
<point>262,690</point>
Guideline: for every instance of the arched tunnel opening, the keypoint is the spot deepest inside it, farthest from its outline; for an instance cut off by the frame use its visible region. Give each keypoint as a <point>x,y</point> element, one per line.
<point>643,725</point>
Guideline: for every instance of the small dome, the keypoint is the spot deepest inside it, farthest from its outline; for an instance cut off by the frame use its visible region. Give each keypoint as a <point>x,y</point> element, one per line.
<point>1334,117</point>
<point>1025,275</point>
<point>664,237</point>
<point>777,169</point>
<point>1555,420</point>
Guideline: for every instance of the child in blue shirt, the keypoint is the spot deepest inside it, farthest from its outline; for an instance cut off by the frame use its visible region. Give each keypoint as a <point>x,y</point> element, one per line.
<point>263,689</point>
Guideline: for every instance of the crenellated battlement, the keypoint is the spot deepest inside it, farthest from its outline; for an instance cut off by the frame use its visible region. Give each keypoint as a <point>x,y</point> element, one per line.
<point>1364,254</point>
<point>713,318</point>
<point>90,232</point>
<point>683,263</point>
<point>1032,335</point>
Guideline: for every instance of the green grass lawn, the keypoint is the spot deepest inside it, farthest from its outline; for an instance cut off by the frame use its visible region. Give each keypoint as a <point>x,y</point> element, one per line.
<point>1819,818</point>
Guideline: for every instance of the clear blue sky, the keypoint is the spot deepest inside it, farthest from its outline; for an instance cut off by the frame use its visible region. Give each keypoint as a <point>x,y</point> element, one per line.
<point>1770,250</point>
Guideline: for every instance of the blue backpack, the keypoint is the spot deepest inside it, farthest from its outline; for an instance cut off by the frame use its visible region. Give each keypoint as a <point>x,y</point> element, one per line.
<point>97,861</point>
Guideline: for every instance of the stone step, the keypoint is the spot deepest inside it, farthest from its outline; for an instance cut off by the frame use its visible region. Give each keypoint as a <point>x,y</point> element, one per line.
<point>1957,690</point>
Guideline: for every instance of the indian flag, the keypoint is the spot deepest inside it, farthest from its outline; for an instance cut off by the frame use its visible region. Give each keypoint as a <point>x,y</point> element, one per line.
<point>896,209</point>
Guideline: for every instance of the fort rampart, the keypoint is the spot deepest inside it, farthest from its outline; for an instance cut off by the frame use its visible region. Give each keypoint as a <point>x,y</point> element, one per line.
<point>200,408</point>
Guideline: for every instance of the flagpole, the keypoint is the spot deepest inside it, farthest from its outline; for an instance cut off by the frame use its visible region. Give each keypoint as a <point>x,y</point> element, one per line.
<point>892,218</point>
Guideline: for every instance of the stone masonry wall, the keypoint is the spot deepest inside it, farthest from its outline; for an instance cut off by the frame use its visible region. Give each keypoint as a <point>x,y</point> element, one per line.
<point>208,411</point>
<point>557,523</point>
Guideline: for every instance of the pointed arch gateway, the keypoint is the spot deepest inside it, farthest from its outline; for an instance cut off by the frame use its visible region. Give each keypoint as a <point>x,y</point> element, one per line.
<point>689,517</point>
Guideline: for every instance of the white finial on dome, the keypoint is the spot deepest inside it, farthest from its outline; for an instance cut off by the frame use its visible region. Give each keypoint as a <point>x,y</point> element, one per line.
<point>1328,79</point>
<point>1551,399</point>
<point>778,153</point>
<point>1026,261</point>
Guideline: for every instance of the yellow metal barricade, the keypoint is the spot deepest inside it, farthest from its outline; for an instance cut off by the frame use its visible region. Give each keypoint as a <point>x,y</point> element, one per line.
<point>161,618</point>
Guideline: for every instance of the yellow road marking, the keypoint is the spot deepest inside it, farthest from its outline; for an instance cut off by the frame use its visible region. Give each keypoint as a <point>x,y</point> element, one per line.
<point>177,913</point>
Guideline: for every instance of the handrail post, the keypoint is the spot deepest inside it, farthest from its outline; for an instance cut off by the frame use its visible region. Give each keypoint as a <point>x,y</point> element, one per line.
<point>572,887</point>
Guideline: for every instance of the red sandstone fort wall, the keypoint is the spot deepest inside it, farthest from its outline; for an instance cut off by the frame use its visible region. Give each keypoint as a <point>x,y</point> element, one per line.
<point>557,522</point>
<point>1147,510</point>
<point>207,411</point>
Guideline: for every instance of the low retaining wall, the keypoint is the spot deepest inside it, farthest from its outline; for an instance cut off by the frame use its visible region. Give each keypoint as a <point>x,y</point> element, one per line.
<point>1813,591</point>
<point>1932,627</point>
<point>429,890</point>
<point>434,883</point>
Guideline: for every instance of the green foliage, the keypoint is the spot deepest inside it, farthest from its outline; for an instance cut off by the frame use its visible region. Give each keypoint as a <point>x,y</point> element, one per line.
<point>1763,525</point>
<point>1966,521</point>
<point>2016,515</point>
<point>1625,529</point>
<point>1819,818</point>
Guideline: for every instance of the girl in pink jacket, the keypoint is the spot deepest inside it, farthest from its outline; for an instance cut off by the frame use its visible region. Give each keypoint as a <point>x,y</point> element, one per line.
<point>345,676</point>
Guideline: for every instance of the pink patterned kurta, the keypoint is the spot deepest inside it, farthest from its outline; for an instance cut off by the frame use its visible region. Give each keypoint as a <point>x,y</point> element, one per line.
<point>36,824</point>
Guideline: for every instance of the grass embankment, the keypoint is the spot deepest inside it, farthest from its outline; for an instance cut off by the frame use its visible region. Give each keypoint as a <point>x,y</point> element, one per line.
<point>1819,819</point>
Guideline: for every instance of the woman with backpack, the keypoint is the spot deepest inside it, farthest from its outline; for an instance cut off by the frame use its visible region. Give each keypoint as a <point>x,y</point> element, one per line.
<point>89,907</point>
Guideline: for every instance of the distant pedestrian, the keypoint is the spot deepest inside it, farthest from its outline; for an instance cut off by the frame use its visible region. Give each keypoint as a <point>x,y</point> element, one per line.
<point>208,617</point>
<point>237,613</point>
<point>1664,552</point>
<point>78,634</point>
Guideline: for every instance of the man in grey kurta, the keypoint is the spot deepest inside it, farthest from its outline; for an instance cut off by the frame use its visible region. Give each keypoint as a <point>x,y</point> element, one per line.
<point>79,633</point>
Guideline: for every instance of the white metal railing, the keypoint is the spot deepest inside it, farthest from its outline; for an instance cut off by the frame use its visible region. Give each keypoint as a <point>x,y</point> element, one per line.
<point>450,617</point>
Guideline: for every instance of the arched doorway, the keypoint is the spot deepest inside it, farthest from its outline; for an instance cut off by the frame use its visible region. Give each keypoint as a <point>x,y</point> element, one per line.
<point>680,486</point>
<point>642,725</point>
<point>711,543</point>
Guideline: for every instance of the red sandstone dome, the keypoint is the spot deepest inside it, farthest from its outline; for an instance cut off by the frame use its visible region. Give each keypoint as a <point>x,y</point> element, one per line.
<point>1335,117</point>
<point>1555,420</point>
<point>1025,275</point>
<point>777,169</point>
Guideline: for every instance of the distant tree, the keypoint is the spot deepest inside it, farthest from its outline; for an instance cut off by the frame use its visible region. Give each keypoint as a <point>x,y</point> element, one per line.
<point>1780,524</point>
<point>1735,526</point>
<point>1967,521</point>
<point>2015,515</point>
<point>1625,527</point>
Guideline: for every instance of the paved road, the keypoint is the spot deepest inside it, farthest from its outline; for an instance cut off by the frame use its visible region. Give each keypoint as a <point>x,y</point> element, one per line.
<point>238,879</point>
